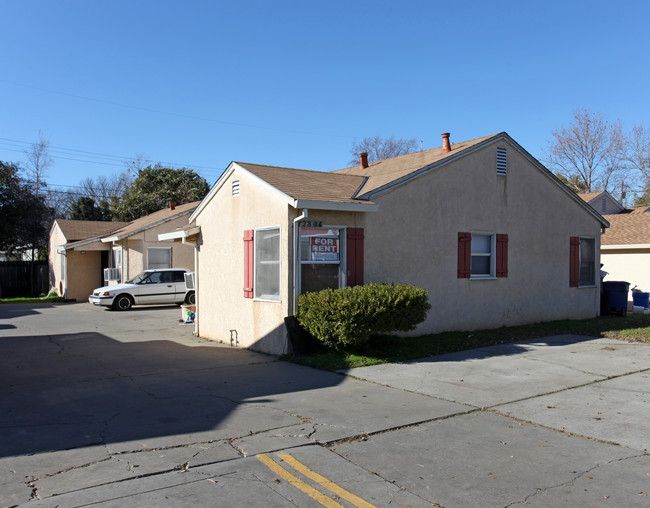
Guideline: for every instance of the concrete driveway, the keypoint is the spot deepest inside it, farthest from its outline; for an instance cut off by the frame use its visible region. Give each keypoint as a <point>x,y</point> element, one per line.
<point>129,409</point>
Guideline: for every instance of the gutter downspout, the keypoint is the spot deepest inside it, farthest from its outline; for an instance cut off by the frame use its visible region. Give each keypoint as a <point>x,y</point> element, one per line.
<point>196,284</point>
<point>296,259</point>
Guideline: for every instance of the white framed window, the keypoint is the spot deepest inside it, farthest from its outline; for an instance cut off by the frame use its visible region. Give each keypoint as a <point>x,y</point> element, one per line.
<point>321,258</point>
<point>267,264</point>
<point>483,258</point>
<point>116,263</point>
<point>587,262</point>
<point>159,257</point>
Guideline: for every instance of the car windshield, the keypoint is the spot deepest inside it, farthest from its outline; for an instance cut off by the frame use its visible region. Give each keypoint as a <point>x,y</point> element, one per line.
<point>138,278</point>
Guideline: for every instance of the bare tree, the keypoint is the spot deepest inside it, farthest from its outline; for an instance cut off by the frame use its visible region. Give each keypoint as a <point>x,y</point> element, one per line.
<point>638,150</point>
<point>38,162</point>
<point>590,150</point>
<point>379,148</point>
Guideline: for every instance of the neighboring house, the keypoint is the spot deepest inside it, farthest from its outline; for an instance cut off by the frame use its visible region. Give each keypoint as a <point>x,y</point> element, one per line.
<point>116,254</point>
<point>602,202</point>
<point>626,248</point>
<point>493,236</point>
<point>76,257</point>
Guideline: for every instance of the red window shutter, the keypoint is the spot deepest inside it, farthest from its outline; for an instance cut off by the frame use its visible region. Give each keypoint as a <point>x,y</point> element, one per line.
<point>464,255</point>
<point>502,255</point>
<point>574,262</point>
<point>355,256</point>
<point>249,261</point>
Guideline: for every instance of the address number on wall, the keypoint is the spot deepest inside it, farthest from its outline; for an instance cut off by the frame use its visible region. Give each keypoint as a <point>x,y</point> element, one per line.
<point>310,223</point>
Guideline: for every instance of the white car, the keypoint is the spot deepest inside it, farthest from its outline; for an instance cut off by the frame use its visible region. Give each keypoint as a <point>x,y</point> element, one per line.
<point>150,287</point>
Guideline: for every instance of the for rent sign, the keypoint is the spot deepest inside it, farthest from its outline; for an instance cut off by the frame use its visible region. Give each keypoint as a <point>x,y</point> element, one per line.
<point>323,248</point>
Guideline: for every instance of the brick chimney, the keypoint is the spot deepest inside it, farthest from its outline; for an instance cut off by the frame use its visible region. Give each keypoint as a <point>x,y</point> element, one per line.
<point>363,160</point>
<point>172,205</point>
<point>446,145</point>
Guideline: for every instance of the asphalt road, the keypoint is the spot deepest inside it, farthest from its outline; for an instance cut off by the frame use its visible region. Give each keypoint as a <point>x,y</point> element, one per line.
<point>102,408</point>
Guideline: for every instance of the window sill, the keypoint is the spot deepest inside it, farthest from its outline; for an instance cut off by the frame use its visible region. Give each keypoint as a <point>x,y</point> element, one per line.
<point>269,300</point>
<point>483,277</point>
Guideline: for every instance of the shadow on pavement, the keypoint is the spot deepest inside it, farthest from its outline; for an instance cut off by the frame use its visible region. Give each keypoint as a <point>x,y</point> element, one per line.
<point>66,391</point>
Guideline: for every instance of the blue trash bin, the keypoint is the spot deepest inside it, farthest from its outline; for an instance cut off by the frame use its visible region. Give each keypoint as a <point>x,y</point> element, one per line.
<point>615,297</point>
<point>640,299</point>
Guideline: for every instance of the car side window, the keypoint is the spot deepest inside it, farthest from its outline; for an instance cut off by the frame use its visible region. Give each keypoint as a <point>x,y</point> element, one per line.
<point>166,276</point>
<point>154,278</point>
<point>178,276</point>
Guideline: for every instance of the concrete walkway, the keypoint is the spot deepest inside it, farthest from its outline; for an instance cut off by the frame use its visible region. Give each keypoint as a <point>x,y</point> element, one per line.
<point>129,409</point>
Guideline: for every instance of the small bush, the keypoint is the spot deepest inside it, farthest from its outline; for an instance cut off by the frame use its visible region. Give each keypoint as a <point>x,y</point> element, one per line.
<point>346,317</point>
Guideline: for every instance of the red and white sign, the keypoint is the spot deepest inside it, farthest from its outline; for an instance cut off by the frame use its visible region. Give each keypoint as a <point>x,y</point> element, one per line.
<point>323,248</point>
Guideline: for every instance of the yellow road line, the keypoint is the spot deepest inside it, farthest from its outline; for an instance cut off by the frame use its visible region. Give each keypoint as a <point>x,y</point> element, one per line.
<point>328,484</point>
<point>297,482</point>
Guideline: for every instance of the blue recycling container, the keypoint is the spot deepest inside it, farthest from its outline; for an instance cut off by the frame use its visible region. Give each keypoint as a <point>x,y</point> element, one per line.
<point>640,299</point>
<point>615,297</point>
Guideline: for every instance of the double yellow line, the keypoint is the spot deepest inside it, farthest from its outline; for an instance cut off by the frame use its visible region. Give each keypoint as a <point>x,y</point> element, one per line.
<point>308,489</point>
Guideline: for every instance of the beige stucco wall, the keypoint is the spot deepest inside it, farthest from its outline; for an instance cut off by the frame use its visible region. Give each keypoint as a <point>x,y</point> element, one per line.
<point>628,265</point>
<point>134,248</point>
<point>221,303</point>
<point>414,239</point>
<point>54,259</point>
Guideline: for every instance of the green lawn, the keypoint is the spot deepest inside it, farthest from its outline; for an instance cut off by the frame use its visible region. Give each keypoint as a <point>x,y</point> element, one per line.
<point>387,348</point>
<point>45,299</point>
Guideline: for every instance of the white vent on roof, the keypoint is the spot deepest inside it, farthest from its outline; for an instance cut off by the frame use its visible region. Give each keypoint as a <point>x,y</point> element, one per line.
<point>502,161</point>
<point>235,188</point>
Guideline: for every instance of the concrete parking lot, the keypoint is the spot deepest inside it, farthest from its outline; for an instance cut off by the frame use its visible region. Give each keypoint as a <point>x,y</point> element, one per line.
<point>129,409</point>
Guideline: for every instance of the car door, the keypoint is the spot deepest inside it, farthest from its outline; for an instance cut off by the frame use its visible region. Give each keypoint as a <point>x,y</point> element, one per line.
<point>157,288</point>
<point>178,279</point>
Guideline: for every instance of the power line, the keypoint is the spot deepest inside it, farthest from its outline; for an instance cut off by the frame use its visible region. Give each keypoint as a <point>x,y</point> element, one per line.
<point>98,155</point>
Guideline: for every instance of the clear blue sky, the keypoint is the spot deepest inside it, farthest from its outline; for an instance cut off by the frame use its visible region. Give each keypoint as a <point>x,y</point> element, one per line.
<point>202,83</point>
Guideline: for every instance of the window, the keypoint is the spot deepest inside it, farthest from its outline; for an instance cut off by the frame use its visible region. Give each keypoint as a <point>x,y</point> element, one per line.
<point>267,264</point>
<point>482,258</point>
<point>320,259</point>
<point>582,262</point>
<point>116,263</point>
<point>502,161</point>
<point>482,255</point>
<point>159,257</point>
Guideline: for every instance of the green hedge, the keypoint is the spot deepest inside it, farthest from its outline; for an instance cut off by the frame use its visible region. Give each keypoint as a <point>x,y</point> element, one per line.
<point>347,317</point>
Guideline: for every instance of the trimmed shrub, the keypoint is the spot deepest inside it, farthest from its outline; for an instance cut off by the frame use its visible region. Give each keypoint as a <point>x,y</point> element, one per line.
<point>347,317</point>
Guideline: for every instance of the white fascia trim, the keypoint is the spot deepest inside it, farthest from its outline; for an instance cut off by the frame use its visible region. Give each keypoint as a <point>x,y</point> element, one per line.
<point>631,246</point>
<point>222,180</point>
<point>117,238</point>
<point>334,205</point>
<point>179,235</point>
<point>80,243</point>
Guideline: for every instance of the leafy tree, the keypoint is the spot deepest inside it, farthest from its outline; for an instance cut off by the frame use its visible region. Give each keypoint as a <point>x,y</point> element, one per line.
<point>589,152</point>
<point>25,216</point>
<point>155,187</point>
<point>379,148</point>
<point>573,182</point>
<point>86,209</point>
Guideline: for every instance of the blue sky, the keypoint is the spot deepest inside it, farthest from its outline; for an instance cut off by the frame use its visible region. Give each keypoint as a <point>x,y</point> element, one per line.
<point>200,83</point>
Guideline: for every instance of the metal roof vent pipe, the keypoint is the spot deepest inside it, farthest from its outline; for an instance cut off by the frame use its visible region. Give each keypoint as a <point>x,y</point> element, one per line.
<point>363,160</point>
<point>446,145</point>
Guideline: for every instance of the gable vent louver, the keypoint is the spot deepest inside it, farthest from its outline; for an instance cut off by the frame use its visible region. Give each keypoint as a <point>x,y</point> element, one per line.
<point>235,188</point>
<point>502,161</point>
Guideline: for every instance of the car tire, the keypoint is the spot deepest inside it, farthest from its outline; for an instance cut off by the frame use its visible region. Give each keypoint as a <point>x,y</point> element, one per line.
<point>190,299</point>
<point>123,302</point>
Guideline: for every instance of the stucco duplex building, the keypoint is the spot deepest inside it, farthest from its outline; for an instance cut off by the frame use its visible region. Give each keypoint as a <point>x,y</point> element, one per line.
<point>85,255</point>
<point>493,236</point>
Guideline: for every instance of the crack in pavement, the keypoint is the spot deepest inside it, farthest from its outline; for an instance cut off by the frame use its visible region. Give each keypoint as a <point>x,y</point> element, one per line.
<point>539,490</point>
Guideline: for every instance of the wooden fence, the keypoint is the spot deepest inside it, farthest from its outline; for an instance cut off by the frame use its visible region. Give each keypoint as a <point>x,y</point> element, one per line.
<point>23,278</point>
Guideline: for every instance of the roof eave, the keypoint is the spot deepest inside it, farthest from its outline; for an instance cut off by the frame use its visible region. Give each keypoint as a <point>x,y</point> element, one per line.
<point>627,246</point>
<point>179,235</point>
<point>117,238</point>
<point>335,205</point>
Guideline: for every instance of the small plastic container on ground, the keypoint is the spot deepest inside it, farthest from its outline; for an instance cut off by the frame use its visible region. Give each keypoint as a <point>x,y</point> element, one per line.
<point>615,297</point>
<point>641,299</point>
<point>188,313</point>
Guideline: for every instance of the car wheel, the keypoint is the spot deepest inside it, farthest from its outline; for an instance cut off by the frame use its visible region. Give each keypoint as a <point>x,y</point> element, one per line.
<point>190,299</point>
<point>123,302</point>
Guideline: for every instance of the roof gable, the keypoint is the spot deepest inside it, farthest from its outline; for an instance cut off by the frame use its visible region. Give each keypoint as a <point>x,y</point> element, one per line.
<point>75,230</point>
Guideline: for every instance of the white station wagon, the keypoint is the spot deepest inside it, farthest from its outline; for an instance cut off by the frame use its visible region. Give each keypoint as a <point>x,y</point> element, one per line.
<point>150,287</point>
